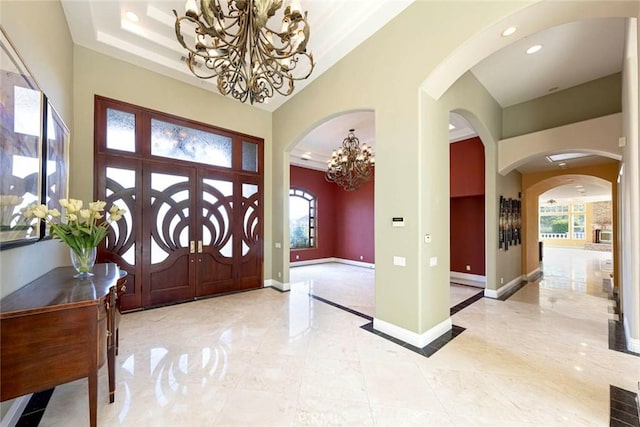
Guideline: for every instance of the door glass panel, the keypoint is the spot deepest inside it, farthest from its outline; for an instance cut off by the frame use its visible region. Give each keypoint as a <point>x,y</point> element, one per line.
<point>170,210</point>
<point>250,217</point>
<point>120,191</point>
<point>216,214</point>
<point>121,133</point>
<point>183,143</point>
<point>249,156</point>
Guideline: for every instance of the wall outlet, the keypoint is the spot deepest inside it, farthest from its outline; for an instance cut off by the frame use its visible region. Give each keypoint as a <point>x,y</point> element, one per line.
<point>502,280</point>
<point>398,260</point>
<point>297,256</point>
<point>279,274</point>
<point>278,245</point>
<point>361,257</point>
<point>468,267</point>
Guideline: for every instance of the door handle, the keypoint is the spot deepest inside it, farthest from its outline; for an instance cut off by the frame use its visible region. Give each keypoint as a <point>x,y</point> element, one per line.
<point>199,246</point>
<point>192,247</point>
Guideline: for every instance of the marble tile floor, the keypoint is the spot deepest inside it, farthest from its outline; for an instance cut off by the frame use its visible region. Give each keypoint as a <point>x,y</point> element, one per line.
<point>354,287</point>
<point>265,358</point>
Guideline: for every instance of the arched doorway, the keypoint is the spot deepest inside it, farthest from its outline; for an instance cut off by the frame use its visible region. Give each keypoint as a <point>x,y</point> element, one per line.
<point>467,210</point>
<point>535,185</point>
<point>337,263</point>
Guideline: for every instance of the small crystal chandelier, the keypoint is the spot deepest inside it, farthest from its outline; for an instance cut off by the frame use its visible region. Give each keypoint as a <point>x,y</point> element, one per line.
<point>234,44</point>
<point>351,165</point>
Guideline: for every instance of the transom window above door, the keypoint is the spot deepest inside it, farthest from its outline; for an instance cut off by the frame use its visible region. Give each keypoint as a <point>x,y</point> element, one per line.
<point>132,130</point>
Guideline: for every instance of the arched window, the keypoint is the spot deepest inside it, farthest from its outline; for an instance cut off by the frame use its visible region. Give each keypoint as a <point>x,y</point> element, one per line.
<point>302,219</point>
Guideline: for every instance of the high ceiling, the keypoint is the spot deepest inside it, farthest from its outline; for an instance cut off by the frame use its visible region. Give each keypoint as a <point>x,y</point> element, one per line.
<point>571,54</point>
<point>151,42</point>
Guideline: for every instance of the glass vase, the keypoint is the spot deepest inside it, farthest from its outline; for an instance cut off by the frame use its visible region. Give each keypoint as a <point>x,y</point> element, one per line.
<point>83,260</point>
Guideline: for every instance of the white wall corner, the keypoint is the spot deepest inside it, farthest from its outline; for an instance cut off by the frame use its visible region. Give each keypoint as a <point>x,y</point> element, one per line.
<point>14,413</point>
<point>633,344</point>
<point>490,293</point>
<point>413,338</point>
<point>270,283</point>
<point>475,280</point>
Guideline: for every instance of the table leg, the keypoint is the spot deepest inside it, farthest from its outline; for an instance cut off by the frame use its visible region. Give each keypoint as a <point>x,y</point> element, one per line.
<point>111,362</point>
<point>93,398</point>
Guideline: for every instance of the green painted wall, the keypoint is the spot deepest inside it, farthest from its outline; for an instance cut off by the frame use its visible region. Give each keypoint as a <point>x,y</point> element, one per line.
<point>589,100</point>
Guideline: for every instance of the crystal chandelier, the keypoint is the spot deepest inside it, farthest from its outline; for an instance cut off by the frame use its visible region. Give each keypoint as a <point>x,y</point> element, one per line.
<point>351,165</point>
<point>233,43</point>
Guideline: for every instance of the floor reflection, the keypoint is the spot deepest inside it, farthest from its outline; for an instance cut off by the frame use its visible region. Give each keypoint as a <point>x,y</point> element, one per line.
<point>578,270</point>
<point>268,358</point>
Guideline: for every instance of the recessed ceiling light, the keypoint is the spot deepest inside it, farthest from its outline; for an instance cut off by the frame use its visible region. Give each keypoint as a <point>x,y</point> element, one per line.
<point>451,127</point>
<point>132,16</point>
<point>533,49</point>
<point>561,164</point>
<point>306,156</point>
<point>579,186</point>
<point>508,31</point>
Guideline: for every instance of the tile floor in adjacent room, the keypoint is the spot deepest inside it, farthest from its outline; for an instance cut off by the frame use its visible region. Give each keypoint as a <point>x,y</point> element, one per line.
<point>266,358</point>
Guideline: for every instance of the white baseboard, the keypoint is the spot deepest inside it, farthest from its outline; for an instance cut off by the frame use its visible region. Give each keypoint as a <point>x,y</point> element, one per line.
<point>356,263</point>
<point>468,279</point>
<point>14,413</point>
<point>332,259</point>
<point>415,339</point>
<point>533,275</point>
<point>270,283</point>
<point>490,293</point>
<point>310,262</point>
<point>633,344</point>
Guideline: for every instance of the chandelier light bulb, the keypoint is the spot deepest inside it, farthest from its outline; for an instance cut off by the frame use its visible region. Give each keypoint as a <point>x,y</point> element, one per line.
<point>191,7</point>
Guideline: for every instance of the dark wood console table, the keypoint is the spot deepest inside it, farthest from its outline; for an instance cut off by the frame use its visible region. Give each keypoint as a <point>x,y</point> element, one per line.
<point>58,329</point>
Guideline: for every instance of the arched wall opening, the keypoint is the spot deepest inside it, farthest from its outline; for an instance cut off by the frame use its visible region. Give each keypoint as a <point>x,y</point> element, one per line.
<point>467,203</point>
<point>597,137</point>
<point>344,220</point>
<point>534,185</point>
<point>529,20</point>
<point>413,139</point>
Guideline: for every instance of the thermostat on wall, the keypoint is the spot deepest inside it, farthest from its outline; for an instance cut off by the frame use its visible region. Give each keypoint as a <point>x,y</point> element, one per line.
<point>397,221</point>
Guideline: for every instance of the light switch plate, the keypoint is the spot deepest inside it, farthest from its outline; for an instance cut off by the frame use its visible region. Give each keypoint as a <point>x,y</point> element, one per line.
<point>433,261</point>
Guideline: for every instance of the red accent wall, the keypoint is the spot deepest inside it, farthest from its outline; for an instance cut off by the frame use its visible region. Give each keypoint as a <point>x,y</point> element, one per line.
<point>345,218</point>
<point>467,167</point>
<point>355,229</point>
<point>467,206</point>
<point>467,234</point>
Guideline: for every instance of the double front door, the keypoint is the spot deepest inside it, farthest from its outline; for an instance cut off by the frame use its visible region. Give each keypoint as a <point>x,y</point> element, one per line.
<point>190,230</point>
